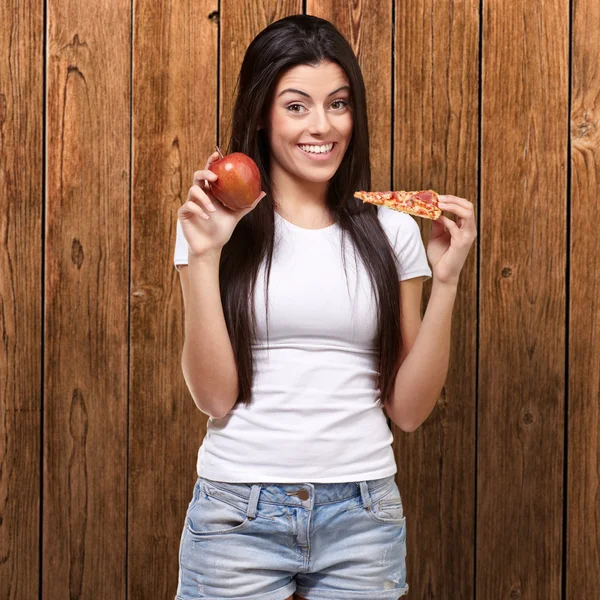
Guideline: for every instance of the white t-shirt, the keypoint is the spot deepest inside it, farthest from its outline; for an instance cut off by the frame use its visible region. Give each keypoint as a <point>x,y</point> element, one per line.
<point>313,415</point>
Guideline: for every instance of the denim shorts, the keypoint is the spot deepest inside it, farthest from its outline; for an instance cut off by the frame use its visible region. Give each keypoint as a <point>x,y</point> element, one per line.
<point>324,541</point>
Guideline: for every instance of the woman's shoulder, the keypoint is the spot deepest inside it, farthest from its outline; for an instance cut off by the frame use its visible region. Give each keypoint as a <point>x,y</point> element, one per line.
<point>394,221</point>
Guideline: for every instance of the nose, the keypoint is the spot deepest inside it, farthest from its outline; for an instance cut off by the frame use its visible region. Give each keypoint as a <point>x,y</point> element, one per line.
<point>320,123</point>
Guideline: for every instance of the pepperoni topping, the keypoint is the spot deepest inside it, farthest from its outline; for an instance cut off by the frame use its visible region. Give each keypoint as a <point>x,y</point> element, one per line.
<point>426,196</point>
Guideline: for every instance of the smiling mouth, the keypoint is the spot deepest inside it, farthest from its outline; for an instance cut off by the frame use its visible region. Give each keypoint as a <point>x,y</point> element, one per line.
<point>317,154</point>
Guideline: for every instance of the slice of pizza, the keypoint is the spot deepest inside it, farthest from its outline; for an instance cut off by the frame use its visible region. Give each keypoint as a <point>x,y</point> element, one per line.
<point>421,204</point>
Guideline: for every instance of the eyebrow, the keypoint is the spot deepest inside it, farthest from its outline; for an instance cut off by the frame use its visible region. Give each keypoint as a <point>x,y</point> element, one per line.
<point>344,87</point>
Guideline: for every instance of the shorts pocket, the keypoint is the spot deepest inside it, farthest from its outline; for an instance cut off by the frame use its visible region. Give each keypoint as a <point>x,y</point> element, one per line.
<point>216,511</point>
<point>388,508</point>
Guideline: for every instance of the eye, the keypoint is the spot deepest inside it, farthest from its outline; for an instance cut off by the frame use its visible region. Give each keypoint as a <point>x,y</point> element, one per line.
<point>295,104</point>
<point>342,101</point>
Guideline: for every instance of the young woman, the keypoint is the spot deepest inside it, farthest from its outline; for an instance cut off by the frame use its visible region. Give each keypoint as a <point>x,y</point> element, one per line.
<point>295,356</point>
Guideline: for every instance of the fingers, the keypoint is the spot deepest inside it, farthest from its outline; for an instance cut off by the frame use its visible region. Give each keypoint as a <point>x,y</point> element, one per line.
<point>463,213</point>
<point>201,177</point>
<point>198,197</point>
<point>455,201</point>
<point>190,208</point>
<point>211,159</point>
<point>450,199</point>
<point>459,206</point>
<point>463,237</point>
<point>449,224</point>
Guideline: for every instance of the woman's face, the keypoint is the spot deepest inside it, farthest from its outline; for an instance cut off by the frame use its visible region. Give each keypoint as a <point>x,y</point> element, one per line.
<point>318,114</point>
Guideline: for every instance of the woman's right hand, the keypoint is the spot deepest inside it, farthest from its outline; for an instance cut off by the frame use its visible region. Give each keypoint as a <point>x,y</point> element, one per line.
<point>206,231</point>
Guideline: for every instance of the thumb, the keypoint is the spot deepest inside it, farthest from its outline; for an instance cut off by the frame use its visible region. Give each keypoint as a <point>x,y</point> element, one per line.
<point>253,206</point>
<point>437,228</point>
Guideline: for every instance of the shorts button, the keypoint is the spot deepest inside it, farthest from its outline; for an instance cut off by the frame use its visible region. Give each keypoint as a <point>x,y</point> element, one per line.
<point>303,495</point>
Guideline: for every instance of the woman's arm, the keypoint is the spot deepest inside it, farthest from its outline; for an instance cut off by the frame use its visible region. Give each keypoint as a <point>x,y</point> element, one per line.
<point>207,361</point>
<point>420,378</point>
<point>422,374</point>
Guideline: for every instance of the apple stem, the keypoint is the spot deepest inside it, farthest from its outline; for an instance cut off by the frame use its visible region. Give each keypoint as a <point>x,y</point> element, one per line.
<point>219,151</point>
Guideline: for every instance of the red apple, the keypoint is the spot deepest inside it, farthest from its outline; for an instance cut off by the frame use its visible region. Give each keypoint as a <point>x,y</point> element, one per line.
<point>238,183</point>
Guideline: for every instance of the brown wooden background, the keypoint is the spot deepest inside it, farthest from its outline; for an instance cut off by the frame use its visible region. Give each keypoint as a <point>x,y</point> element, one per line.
<point>107,108</point>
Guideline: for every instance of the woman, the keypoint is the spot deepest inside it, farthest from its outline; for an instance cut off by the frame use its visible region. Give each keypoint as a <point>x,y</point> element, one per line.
<point>296,496</point>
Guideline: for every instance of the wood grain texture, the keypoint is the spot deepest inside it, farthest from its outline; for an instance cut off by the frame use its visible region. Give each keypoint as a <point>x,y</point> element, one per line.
<point>435,146</point>
<point>583,473</point>
<point>21,206</point>
<point>523,291</point>
<point>174,132</point>
<point>86,312</point>
<point>91,312</point>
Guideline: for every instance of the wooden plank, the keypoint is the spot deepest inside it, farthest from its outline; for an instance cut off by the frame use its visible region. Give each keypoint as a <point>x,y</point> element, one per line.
<point>522,343</point>
<point>583,492</point>
<point>435,146</point>
<point>85,340</point>
<point>21,175</point>
<point>174,127</point>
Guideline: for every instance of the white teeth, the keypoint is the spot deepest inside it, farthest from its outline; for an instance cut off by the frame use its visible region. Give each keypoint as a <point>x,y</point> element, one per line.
<point>317,149</point>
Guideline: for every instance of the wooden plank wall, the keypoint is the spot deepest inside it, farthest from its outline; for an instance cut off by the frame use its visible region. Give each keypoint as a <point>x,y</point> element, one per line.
<point>522,286</point>
<point>106,110</point>
<point>85,290</point>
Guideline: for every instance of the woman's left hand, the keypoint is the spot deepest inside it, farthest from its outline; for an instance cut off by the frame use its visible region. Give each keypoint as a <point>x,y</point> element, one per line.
<point>450,242</point>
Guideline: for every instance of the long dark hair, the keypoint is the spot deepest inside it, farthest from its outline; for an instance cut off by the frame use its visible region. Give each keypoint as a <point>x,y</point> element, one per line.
<point>303,40</point>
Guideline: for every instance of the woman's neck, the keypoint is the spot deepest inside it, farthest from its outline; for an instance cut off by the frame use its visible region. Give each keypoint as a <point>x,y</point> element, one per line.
<point>298,200</point>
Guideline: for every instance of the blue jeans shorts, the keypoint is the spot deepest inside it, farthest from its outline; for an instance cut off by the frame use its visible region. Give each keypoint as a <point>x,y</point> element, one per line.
<point>324,541</point>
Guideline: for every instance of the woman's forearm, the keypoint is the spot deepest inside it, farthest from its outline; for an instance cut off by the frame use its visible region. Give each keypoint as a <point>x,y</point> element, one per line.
<point>422,374</point>
<point>208,361</point>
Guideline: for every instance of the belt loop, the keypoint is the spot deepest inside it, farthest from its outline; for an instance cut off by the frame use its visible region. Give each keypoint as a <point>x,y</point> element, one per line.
<point>366,497</point>
<point>253,502</point>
